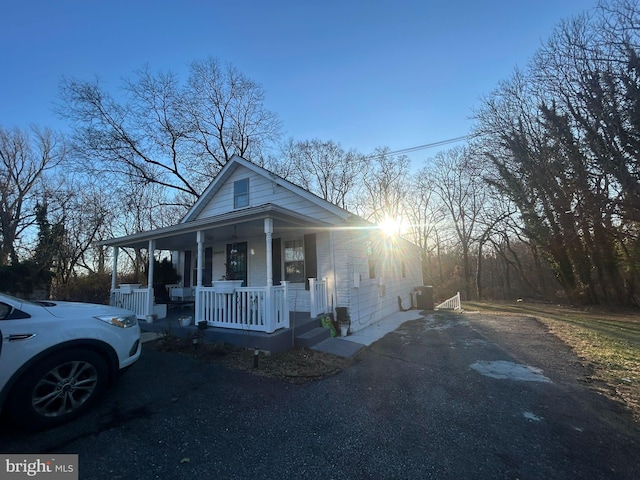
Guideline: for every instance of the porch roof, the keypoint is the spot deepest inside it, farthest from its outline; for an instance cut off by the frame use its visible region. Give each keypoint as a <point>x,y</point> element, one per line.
<point>245,222</point>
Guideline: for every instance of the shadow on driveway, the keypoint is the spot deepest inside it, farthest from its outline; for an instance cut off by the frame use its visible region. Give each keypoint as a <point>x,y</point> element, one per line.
<point>412,406</point>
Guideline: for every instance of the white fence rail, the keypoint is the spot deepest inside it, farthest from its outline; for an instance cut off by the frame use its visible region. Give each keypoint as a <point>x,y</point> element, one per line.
<point>135,299</point>
<point>451,304</point>
<point>319,299</point>
<point>263,309</point>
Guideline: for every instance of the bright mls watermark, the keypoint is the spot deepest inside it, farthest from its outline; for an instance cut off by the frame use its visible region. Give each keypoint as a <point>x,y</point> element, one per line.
<point>49,466</point>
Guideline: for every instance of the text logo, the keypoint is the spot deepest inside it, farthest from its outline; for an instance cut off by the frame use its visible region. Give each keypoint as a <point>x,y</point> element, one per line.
<point>45,466</point>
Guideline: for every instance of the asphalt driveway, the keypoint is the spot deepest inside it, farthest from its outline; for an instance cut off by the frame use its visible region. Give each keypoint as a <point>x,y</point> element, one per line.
<point>446,396</point>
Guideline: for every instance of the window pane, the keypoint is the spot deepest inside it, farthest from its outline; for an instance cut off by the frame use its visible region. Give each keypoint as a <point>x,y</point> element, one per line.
<point>241,186</point>
<point>293,250</point>
<point>294,261</point>
<point>294,272</point>
<point>241,193</point>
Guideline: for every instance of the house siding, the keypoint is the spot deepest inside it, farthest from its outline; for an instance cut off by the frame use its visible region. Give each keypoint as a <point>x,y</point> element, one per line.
<point>343,246</point>
<point>263,191</point>
<point>375,298</point>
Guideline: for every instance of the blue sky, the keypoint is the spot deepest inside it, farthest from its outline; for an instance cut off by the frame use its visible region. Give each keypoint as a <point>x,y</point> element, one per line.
<point>397,73</point>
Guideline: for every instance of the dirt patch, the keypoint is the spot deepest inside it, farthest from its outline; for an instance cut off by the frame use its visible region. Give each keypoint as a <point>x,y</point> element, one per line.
<point>299,365</point>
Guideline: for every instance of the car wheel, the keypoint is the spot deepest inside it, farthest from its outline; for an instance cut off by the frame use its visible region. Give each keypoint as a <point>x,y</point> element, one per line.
<point>58,388</point>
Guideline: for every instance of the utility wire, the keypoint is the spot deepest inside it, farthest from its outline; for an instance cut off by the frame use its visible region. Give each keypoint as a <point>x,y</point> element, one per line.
<point>422,147</point>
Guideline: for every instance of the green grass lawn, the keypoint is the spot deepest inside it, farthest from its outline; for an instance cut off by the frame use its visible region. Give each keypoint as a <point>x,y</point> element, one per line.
<point>607,341</point>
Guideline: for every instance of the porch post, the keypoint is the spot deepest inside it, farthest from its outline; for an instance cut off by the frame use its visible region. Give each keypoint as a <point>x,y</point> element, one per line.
<point>312,297</point>
<point>200,240</point>
<point>268,231</point>
<point>268,300</point>
<point>152,248</point>
<point>114,268</point>
<point>199,307</point>
<point>114,276</point>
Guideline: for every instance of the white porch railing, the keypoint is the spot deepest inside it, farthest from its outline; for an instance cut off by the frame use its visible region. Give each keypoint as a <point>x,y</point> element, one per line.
<point>135,299</point>
<point>451,304</point>
<point>263,309</point>
<point>319,299</point>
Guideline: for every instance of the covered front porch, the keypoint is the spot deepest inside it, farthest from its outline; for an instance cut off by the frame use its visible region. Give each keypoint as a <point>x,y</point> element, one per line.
<point>296,335</point>
<point>261,309</point>
<point>245,303</point>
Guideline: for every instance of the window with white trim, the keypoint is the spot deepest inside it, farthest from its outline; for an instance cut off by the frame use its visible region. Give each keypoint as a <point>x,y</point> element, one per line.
<point>241,193</point>
<point>294,261</point>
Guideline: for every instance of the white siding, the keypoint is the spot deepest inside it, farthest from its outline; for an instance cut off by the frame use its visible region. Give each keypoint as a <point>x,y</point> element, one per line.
<point>325,262</point>
<point>262,191</point>
<point>377,297</point>
<point>344,246</point>
<point>342,254</point>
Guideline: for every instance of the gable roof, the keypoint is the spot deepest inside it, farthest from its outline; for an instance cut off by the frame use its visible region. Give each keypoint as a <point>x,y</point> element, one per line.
<point>233,164</point>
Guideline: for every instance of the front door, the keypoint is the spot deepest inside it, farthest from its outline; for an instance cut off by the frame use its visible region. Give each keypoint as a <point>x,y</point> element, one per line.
<point>237,262</point>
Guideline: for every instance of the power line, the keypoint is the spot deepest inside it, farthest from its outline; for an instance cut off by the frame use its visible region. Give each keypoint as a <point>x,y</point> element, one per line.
<point>423,147</point>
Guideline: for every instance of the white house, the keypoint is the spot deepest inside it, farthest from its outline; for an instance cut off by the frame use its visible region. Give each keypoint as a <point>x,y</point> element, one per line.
<point>255,248</point>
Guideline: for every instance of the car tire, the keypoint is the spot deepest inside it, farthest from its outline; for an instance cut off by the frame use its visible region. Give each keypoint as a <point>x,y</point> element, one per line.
<point>58,388</point>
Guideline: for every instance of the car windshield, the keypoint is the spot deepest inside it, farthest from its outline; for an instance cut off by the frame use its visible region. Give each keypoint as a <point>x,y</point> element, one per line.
<point>16,299</point>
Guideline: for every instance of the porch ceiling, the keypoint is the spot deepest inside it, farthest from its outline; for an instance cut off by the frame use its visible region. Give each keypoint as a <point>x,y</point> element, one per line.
<point>245,223</point>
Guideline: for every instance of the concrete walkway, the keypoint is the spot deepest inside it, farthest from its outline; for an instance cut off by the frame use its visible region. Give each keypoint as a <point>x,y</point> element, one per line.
<point>350,345</point>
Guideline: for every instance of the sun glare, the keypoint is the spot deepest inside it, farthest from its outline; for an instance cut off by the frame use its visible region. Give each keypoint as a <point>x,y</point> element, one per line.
<point>390,226</point>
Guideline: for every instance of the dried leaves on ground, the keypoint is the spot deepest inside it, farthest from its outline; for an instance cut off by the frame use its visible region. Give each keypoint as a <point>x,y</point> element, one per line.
<point>299,365</point>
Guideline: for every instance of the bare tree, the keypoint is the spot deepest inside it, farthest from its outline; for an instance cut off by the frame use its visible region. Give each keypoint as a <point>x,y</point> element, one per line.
<point>496,210</point>
<point>463,195</point>
<point>385,186</point>
<point>324,168</point>
<point>425,215</point>
<point>166,133</point>
<point>25,156</point>
<point>564,138</point>
<point>226,114</point>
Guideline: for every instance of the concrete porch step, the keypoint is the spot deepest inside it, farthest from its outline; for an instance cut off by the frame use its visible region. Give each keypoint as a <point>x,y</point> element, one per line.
<point>312,337</point>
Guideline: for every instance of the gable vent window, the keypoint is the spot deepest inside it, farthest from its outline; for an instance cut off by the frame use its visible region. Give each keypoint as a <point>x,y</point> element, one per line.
<point>241,193</point>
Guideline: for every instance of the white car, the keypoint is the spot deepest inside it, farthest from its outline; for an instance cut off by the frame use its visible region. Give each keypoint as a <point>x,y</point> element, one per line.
<point>57,358</point>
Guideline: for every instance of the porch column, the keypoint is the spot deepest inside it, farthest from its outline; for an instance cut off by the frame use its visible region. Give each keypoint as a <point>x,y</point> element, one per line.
<point>200,240</point>
<point>114,268</point>
<point>312,298</point>
<point>268,231</point>
<point>268,300</point>
<point>152,248</point>
<point>199,307</point>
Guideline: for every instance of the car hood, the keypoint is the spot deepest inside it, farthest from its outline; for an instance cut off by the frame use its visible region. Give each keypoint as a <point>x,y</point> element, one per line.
<point>76,309</point>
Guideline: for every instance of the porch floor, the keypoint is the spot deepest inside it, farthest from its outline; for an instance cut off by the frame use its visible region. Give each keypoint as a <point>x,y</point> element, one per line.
<point>279,341</point>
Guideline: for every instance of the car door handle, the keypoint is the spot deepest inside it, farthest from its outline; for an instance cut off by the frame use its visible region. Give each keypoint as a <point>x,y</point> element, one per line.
<point>20,336</point>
